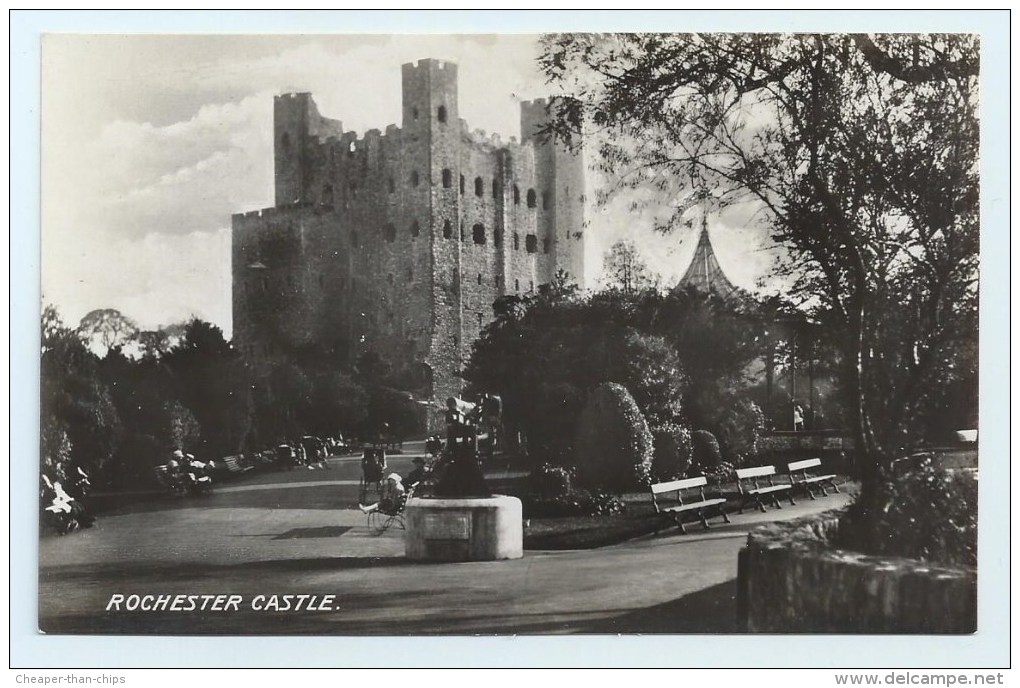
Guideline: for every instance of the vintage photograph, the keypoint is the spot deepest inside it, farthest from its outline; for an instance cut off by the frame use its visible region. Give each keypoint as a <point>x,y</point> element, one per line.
<point>509,334</point>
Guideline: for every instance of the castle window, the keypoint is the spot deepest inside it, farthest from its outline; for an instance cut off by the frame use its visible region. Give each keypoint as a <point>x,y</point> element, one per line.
<point>532,287</point>
<point>389,278</point>
<point>441,114</point>
<point>447,230</point>
<point>497,237</point>
<point>495,188</point>
<point>462,230</point>
<point>479,321</point>
<point>285,143</point>
<point>415,229</point>
<point>479,279</point>
<point>531,198</point>
<point>447,179</point>
<point>478,234</point>
<point>461,185</point>
<point>479,186</point>
<point>414,113</point>
<point>517,241</point>
<point>391,185</point>
<point>353,147</point>
<point>517,195</point>
<point>517,285</point>
<point>327,194</point>
<point>390,232</point>
<point>531,243</point>
<point>545,245</point>
<point>545,200</point>
<point>414,179</point>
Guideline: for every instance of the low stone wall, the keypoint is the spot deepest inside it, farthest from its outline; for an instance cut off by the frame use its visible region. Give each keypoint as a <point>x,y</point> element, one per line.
<point>791,580</point>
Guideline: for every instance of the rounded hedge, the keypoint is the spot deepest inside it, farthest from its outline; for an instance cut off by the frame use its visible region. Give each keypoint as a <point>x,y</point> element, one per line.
<point>613,446</point>
<point>672,451</point>
<point>706,449</point>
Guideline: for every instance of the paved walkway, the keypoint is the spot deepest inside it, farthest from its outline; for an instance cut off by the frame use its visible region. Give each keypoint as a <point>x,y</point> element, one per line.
<point>662,583</point>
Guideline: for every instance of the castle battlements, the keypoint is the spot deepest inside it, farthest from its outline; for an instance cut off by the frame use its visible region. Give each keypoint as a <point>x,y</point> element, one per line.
<point>398,241</point>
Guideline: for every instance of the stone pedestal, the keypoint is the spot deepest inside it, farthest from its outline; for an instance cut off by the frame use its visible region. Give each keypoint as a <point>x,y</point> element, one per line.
<point>473,529</point>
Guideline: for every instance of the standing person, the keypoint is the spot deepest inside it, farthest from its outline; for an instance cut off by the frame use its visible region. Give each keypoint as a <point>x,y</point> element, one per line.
<point>798,418</point>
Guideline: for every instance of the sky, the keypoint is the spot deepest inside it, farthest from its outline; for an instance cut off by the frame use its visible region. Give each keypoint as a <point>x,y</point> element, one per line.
<point>150,143</point>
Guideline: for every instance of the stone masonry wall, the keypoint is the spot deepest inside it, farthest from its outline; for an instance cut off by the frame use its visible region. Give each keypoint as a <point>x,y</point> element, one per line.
<point>792,581</point>
<point>384,244</point>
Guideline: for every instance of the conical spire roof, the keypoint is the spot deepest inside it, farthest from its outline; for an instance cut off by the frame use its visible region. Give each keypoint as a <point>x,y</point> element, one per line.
<point>704,272</point>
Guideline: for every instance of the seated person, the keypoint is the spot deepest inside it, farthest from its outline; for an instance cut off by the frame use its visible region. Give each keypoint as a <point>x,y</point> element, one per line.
<point>418,473</point>
<point>391,498</point>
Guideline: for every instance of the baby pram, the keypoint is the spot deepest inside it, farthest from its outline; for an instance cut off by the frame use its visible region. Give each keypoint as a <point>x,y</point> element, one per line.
<point>373,467</point>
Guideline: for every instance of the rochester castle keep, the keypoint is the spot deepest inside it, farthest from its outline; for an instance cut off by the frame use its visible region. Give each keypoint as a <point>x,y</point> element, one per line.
<point>399,242</point>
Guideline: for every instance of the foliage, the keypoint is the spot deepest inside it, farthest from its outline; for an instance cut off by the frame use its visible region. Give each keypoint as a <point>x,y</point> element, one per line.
<point>718,474</point>
<point>859,151</point>
<point>928,514</point>
<point>613,449</point>
<point>705,449</point>
<point>740,429</point>
<point>551,481</point>
<point>574,503</point>
<point>624,269</point>
<point>673,451</point>
<point>106,328</point>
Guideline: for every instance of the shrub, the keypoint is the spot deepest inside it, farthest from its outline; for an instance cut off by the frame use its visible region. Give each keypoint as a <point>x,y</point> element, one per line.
<point>613,446</point>
<point>672,458</point>
<point>928,513</point>
<point>705,449</point>
<point>576,503</point>
<point>551,481</point>
<point>742,426</point>
<point>716,475</point>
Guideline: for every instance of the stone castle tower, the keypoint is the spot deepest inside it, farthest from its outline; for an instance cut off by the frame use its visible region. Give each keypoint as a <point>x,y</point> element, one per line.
<point>399,242</point>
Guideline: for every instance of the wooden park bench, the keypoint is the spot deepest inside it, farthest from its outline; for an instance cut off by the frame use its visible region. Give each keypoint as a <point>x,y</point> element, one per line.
<point>800,477</point>
<point>756,483</point>
<point>235,464</point>
<point>689,497</point>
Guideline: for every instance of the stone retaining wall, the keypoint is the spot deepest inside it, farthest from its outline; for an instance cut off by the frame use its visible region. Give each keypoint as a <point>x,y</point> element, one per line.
<point>792,581</point>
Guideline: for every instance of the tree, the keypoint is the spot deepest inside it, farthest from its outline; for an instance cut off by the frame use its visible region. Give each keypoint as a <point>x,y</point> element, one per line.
<point>105,328</point>
<point>613,446</point>
<point>861,154</point>
<point>624,269</point>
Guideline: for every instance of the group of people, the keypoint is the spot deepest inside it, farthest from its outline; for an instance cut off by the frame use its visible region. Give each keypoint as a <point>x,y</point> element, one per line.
<point>62,490</point>
<point>310,452</point>
<point>187,475</point>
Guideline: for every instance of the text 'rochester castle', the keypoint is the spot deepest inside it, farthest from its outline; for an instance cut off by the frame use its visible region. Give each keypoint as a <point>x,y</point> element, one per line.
<point>398,243</point>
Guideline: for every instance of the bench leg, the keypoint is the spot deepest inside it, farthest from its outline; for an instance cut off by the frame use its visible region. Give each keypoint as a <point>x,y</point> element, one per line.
<point>792,503</point>
<point>775,501</point>
<point>761,505</point>
<point>835,490</point>
<point>811,492</point>
<point>701,517</point>
<point>680,524</point>
<point>725,516</point>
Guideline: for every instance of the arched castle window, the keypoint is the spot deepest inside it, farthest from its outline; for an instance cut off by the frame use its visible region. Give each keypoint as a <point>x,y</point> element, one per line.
<point>327,194</point>
<point>447,178</point>
<point>389,232</point>
<point>441,114</point>
<point>497,237</point>
<point>517,285</point>
<point>479,280</point>
<point>414,178</point>
<point>479,186</point>
<point>447,230</point>
<point>415,228</point>
<point>545,200</point>
<point>545,245</point>
<point>531,198</point>
<point>495,188</point>
<point>462,230</point>
<point>461,185</point>
<point>391,185</point>
<point>285,143</point>
<point>531,243</point>
<point>517,241</point>
<point>478,234</point>
<point>517,195</point>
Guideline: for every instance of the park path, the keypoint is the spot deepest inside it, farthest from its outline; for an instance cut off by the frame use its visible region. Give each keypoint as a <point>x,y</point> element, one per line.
<point>662,583</point>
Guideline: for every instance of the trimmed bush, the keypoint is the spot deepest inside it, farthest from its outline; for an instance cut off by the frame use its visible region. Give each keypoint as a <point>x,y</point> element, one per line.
<point>742,426</point>
<point>551,481</point>
<point>705,449</point>
<point>672,458</point>
<point>574,503</point>
<point>613,448</point>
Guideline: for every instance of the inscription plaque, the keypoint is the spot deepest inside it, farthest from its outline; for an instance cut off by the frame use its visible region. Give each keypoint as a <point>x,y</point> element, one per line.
<point>447,526</point>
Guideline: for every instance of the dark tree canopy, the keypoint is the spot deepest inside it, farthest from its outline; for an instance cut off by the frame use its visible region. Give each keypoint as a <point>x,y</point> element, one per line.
<point>860,153</point>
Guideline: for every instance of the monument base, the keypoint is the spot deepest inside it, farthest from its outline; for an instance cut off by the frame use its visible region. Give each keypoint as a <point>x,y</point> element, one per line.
<point>471,529</point>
